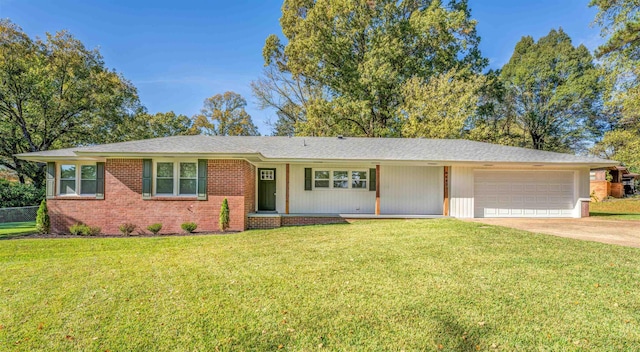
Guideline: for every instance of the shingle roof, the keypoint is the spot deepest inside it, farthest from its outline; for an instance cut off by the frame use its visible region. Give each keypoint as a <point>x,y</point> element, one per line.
<point>327,148</point>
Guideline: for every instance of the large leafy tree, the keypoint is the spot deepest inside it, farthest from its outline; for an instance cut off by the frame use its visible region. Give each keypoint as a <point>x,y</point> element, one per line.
<point>620,23</point>
<point>440,106</point>
<point>144,125</point>
<point>54,92</point>
<point>554,91</point>
<point>356,61</point>
<point>290,96</point>
<point>224,115</point>
<point>494,120</point>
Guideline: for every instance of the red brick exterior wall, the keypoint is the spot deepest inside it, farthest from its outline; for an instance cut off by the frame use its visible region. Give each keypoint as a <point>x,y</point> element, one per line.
<point>233,179</point>
<point>584,209</point>
<point>601,189</point>
<point>617,190</point>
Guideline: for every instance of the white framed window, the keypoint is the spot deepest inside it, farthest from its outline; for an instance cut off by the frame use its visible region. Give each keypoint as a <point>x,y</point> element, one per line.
<point>267,175</point>
<point>77,179</point>
<point>358,179</point>
<point>175,178</point>
<point>321,178</point>
<point>340,179</point>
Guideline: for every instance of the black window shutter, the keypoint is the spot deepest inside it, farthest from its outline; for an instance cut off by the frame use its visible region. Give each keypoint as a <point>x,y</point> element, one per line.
<point>307,179</point>
<point>99,180</point>
<point>372,179</point>
<point>147,165</point>
<point>202,179</point>
<point>51,180</point>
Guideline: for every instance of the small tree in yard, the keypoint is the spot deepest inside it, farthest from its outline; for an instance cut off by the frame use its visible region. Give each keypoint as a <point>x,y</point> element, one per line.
<point>224,215</point>
<point>42,218</point>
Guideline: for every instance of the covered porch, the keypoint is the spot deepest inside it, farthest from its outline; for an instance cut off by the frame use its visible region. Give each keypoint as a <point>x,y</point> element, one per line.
<point>316,193</point>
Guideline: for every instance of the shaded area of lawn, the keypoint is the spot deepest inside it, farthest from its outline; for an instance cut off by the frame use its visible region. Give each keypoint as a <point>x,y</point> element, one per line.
<point>372,285</point>
<point>618,209</point>
<point>16,229</point>
<point>616,216</point>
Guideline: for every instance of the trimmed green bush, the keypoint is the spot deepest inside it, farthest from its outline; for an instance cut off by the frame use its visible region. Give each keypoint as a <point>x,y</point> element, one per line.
<point>224,215</point>
<point>127,228</point>
<point>189,226</point>
<point>84,230</point>
<point>43,224</point>
<point>154,228</point>
<point>75,229</point>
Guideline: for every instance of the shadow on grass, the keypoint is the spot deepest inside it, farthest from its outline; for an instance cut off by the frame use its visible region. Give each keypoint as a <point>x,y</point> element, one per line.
<point>465,338</point>
<point>17,229</point>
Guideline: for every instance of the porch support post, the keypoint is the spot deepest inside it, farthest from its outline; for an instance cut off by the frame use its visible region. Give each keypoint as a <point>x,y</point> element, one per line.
<point>377,189</point>
<point>286,202</point>
<point>445,205</point>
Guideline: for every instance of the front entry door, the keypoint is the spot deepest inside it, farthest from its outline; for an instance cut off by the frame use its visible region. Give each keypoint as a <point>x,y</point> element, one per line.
<point>266,189</point>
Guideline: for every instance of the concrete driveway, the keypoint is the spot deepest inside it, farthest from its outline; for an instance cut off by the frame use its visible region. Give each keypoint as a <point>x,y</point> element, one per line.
<point>621,232</point>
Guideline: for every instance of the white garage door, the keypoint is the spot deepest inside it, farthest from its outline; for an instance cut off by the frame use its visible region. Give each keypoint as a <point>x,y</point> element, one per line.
<point>523,194</point>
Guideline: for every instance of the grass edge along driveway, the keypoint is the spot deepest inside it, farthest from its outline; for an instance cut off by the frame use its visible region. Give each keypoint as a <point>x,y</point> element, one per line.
<point>372,285</point>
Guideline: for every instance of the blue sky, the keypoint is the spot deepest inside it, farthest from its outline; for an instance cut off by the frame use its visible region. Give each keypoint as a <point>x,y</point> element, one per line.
<point>177,53</point>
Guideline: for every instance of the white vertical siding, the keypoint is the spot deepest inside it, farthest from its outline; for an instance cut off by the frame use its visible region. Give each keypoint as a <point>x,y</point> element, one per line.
<point>411,190</point>
<point>584,183</point>
<point>330,201</point>
<point>461,192</point>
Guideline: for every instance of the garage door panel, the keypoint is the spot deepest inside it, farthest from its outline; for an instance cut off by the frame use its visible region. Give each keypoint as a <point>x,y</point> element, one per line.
<point>524,194</point>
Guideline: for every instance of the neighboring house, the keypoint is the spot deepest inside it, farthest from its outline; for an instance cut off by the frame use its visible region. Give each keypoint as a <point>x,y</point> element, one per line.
<point>278,181</point>
<point>613,181</point>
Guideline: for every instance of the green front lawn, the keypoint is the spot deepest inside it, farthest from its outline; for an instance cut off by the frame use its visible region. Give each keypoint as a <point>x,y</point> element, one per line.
<point>620,209</point>
<point>372,285</point>
<point>13,229</point>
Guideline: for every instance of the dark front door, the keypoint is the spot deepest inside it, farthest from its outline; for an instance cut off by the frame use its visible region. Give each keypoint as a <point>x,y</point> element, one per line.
<point>266,189</point>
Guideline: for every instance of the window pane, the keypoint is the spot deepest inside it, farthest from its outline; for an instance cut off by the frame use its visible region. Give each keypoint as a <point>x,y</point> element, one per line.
<point>67,186</point>
<point>188,170</point>
<point>88,172</point>
<point>358,179</point>
<point>359,175</point>
<point>187,186</point>
<point>88,187</point>
<point>340,175</point>
<point>358,184</point>
<point>340,184</point>
<point>322,183</point>
<point>164,186</point>
<point>68,172</point>
<point>165,170</point>
<point>322,175</point>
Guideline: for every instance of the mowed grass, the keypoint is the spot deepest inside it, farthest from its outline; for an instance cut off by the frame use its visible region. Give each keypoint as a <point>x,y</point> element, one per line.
<point>13,229</point>
<point>620,209</point>
<point>372,285</point>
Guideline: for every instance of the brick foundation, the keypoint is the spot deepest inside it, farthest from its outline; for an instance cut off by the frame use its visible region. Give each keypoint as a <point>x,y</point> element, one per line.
<point>264,222</point>
<point>274,221</point>
<point>233,179</point>
<point>584,209</point>
<point>311,220</point>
